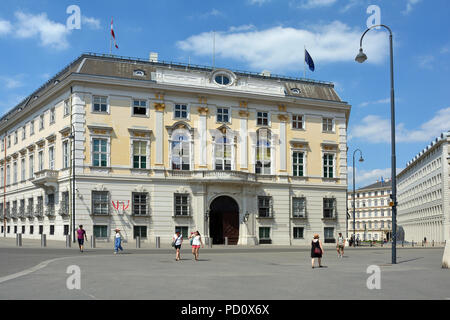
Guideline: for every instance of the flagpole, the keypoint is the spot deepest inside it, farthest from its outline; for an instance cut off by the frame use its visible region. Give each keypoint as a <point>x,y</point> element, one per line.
<point>304,63</point>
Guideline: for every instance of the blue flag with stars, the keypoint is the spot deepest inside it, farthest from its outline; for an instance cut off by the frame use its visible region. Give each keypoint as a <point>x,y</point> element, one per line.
<point>309,61</point>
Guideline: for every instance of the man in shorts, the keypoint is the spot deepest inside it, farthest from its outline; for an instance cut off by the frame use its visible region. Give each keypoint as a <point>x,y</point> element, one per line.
<point>81,235</point>
<point>340,245</point>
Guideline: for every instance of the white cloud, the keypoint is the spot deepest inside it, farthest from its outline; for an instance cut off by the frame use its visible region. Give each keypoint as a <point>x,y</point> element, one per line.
<point>5,27</point>
<point>375,129</point>
<point>426,62</point>
<point>52,34</point>
<point>92,23</point>
<point>381,101</point>
<point>366,177</point>
<point>409,6</point>
<point>245,27</point>
<point>350,4</point>
<point>282,48</point>
<point>258,2</point>
<point>12,82</point>
<point>310,4</point>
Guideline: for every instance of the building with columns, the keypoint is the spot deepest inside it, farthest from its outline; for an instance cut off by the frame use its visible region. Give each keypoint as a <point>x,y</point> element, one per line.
<point>424,193</point>
<point>155,147</point>
<point>373,215</point>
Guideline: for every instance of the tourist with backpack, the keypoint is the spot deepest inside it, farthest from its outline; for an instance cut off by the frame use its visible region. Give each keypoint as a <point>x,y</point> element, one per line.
<point>177,240</point>
<point>316,250</point>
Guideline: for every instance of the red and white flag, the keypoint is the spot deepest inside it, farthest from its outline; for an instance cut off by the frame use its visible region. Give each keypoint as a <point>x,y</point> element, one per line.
<point>113,35</point>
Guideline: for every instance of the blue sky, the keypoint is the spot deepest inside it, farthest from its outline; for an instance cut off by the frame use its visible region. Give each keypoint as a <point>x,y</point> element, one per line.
<point>257,35</point>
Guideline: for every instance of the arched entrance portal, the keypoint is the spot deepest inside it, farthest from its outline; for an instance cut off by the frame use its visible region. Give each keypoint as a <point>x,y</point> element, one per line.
<point>224,220</point>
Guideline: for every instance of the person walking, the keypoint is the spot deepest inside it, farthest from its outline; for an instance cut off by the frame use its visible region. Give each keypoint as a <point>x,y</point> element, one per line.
<point>340,245</point>
<point>177,240</point>
<point>81,235</point>
<point>316,251</point>
<point>118,241</point>
<point>196,242</point>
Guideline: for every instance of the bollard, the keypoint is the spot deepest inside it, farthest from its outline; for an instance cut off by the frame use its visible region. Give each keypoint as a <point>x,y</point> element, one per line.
<point>93,242</point>
<point>43,240</point>
<point>432,243</point>
<point>138,242</point>
<point>412,243</point>
<point>68,242</point>
<point>19,240</point>
<point>210,242</point>
<point>422,243</point>
<point>226,241</point>
<point>403,243</point>
<point>158,242</point>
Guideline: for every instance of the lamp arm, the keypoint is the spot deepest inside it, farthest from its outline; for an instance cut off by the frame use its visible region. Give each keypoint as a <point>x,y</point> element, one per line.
<point>378,25</point>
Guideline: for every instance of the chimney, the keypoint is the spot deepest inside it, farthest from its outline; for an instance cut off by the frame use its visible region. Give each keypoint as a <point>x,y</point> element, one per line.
<point>153,56</point>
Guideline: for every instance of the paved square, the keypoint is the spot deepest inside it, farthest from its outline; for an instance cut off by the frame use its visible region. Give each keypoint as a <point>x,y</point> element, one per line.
<point>222,274</point>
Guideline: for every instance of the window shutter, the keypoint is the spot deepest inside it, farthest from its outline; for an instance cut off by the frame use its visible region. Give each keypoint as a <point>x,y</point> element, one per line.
<point>306,212</point>
<point>334,208</point>
<point>189,204</point>
<point>271,207</point>
<point>147,203</point>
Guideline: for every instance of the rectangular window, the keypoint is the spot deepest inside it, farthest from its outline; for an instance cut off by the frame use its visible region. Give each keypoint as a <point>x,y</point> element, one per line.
<point>66,229</point>
<point>9,141</point>
<point>264,235</point>
<point>52,115</point>
<point>101,231</point>
<point>16,137</point>
<point>298,232</point>
<point>140,203</point>
<point>31,229</point>
<point>139,154</point>
<point>23,229</point>
<point>223,115</point>
<point>184,231</point>
<point>2,177</point>
<point>31,127</point>
<point>52,230</point>
<point>31,164</point>
<point>299,207</point>
<point>100,202</point>
<point>329,205</point>
<point>15,172</point>
<point>24,132</point>
<point>65,154</point>
<point>8,175</point>
<point>328,165</point>
<point>66,107</point>
<point>100,153</point>
<point>263,118</point>
<point>140,231</point>
<point>41,229</point>
<point>41,160</point>
<point>100,104</point>
<point>22,169</point>
<point>181,111</point>
<point>139,108</point>
<point>181,204</point>
<point>15,229</point>
<point>51,158</point>
<point>329,235</point>
<point>327,125</point>
<point>64,206</point>
<point>297,164</point>
<point>264,207</point>
<point>41,122</point>
<point>297,121</point>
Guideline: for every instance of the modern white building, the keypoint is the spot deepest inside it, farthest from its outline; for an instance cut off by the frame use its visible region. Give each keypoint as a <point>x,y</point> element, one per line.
<point>423,193</point>
<point>373,215</point>
<point>160,146</point>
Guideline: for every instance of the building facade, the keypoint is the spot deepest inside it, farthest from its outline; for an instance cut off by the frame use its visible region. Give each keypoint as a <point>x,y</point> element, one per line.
<point>373,214</point>
<point>423,193</point>
<point>157,147</point>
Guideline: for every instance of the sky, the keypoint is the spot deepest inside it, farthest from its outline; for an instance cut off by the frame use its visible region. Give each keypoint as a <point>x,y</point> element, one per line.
<point>36,42</point>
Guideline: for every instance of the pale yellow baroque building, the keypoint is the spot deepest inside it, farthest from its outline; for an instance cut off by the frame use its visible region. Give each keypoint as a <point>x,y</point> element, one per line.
<point>241,157</point>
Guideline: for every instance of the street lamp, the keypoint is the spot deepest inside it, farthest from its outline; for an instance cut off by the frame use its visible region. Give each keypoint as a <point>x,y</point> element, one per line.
<point>72,136</point>
<point>361,57</point>
<point>360,160</point>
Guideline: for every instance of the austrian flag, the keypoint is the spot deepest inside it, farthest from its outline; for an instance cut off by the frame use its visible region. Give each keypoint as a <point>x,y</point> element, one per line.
<point>113,35</point>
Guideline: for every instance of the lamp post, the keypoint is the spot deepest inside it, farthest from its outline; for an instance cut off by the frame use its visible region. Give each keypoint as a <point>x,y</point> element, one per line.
<point>360,160</point>
<point>361,57</point>
<point>72,136</point>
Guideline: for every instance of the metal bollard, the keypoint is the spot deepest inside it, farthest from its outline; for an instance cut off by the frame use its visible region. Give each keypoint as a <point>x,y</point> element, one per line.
<point>93,244</point>
<point>403,243</point>
<point>158,242</point>
<point>226,241</point>
<point>432,243</point>
<point>68,242</point>
<point>210,242</point>
<point>138,242</point>
<point>412,243</point>
<point>19,240</point>
<point>43,240</point>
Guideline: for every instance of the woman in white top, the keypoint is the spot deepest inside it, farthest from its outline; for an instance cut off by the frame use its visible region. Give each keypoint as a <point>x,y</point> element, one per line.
<point>178,240</point>
<point>196,242</point>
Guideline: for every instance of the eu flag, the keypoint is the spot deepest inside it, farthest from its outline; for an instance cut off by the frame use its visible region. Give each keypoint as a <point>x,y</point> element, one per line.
<point>309,60</point>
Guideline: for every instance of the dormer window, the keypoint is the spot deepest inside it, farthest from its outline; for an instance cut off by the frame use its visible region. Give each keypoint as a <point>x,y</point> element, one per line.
<point>139,73</point>
<point>295,91</point>
<point>222,79</point>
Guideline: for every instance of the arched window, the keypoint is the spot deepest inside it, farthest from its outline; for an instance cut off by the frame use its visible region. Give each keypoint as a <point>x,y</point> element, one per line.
<point>180,151</point>
<point>223,153</point>
<point>263,152</point>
